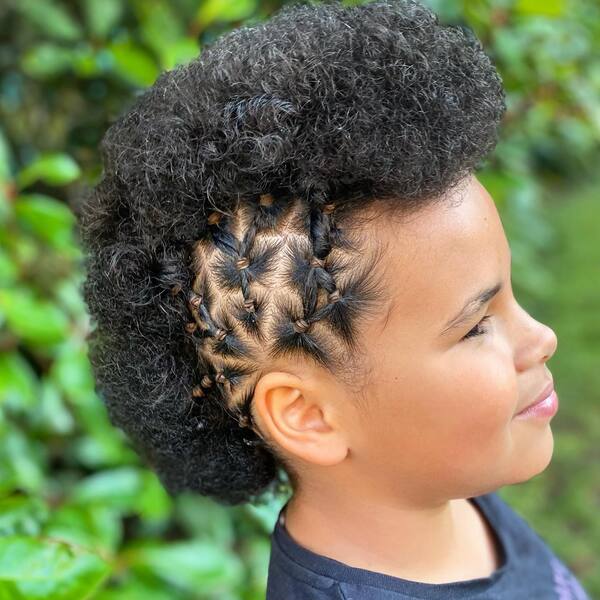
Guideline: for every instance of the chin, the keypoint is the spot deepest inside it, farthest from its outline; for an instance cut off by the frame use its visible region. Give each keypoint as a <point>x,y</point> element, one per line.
<point>536,457</point>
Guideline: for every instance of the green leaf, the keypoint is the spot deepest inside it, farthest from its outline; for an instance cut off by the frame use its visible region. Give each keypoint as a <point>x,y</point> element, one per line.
<point>6,183</point>
<point>51,18</point>
<point>225,10</point>
<point>265,514</point>
<point>154,502</point>
<point>43,569</point>
<point>5,158</point>
<point>9,272</point>
<point>22,515</point>
<point>53,169</point>
<point>68,294</point>
<point>95,527</point>
<point>159,24</point>
<point>22,459</point>
<point>126,489</point>
<point>257,553</point>
<point>103,446</point>
<point>51,415</point>
<point>131,587</point>
<point>549,8</point>
<point>25,251</point>
<point>49,60</point>
<point>200,565</point>
<point>51,220</point>
<point>179,53</point>
<point>162,30</point>
<point>18,381</point>
<point>33,319</point>
<point>116,488</point>
<point>133,63</point>
<point>9,591</point>
<point>46,60</point>
<point>87,62</point>
<point>72,374</point>
<point>203,518</point>
<point>101,16</point>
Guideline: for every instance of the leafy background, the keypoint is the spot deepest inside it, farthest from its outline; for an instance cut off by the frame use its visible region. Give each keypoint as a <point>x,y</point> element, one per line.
<point>80,516</point>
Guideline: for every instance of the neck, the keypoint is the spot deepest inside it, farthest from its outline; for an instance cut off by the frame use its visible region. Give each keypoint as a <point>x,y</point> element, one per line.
<point>431,543</point>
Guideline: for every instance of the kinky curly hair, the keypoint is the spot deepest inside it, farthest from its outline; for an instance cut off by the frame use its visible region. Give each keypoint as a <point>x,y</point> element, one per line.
<point>223,233</point>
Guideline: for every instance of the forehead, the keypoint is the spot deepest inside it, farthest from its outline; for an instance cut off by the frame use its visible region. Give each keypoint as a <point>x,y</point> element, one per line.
<point>444,253</point>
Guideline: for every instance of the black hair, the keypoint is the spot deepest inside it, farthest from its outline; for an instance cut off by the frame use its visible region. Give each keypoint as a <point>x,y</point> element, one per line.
<point>220,235</point>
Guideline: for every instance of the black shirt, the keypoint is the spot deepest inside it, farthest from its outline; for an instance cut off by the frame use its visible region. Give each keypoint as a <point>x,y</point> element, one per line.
<point>528,570</point>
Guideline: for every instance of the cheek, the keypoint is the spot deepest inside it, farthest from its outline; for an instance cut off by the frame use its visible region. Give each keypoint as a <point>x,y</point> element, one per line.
<point>486,383</point>
<point>479,401</point>
<point>450,411</point>
<point>458,401</point>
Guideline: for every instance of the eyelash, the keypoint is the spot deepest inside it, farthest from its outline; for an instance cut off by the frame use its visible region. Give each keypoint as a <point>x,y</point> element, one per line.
<point>475,329</point>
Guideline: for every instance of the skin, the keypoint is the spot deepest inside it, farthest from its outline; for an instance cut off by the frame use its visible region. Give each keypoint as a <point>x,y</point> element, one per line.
<point>384,484</point>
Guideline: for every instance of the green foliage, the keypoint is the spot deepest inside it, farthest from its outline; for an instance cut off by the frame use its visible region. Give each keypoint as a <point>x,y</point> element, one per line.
<point>54,169</point>
<point>80,516</point>
<point>44,568</point>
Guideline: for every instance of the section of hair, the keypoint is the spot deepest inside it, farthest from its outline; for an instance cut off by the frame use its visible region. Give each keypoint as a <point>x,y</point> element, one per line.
<point>320,105</point>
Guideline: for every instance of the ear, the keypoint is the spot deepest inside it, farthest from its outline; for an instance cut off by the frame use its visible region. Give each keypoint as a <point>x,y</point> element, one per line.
<point>298,419</point>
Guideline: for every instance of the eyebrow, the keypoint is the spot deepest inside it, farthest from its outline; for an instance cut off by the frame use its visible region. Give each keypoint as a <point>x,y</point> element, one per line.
<point>472,307</point>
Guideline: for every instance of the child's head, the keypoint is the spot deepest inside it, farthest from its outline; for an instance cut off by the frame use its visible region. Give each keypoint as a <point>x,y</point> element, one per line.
<point>283,229</point>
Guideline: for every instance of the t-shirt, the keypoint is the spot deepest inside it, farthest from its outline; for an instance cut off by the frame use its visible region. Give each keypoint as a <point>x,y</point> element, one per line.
<point>528,570</point>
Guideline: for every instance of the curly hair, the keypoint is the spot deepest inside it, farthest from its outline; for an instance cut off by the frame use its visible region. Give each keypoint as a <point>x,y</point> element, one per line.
<point>224,232</point>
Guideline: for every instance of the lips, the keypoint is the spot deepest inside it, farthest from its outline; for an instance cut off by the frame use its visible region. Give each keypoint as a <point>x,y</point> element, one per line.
<point>548,389</point>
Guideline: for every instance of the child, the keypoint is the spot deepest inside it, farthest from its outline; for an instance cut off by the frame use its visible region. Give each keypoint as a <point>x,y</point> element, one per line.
<point>297,278</point>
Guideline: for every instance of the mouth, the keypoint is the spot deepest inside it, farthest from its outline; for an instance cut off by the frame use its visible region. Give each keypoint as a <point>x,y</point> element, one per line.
<point>545,404</point>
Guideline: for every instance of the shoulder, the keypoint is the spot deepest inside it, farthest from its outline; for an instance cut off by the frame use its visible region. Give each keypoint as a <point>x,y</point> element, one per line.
<point>285,582</point>
<point>290,578</point>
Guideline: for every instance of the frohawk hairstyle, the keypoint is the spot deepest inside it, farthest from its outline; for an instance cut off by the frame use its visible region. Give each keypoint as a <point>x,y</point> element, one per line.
<point>224,231</point>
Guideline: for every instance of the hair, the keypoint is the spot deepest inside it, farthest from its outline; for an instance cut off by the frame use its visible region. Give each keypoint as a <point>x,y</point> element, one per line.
<point>224,231</point>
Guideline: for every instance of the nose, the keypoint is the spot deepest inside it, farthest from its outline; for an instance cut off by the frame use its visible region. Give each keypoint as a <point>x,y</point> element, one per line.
<point>537,342</point>
<point>550,342</point>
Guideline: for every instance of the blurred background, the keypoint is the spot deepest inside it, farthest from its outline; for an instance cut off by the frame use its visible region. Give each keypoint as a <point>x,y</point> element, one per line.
<point>80,516</point>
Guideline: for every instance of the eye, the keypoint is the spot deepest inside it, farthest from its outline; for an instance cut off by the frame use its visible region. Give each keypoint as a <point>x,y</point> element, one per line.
<point>477,330</point>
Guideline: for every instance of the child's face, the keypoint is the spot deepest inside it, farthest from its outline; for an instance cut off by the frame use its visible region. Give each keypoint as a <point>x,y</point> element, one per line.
<point>440,410</point>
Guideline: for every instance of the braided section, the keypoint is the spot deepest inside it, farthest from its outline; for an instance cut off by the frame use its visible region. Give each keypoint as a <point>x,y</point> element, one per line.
<point>267,286</point>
